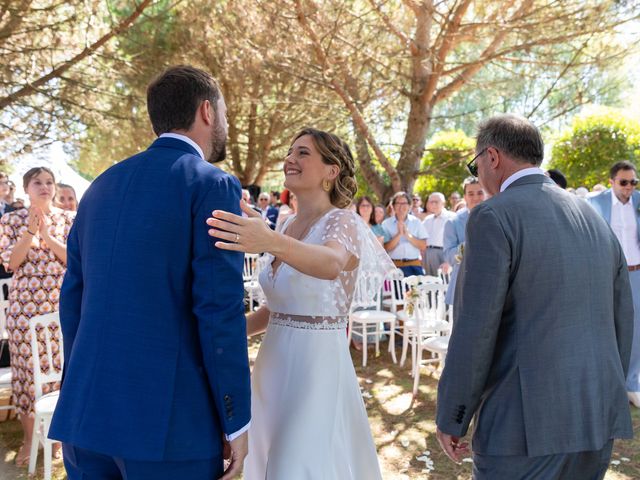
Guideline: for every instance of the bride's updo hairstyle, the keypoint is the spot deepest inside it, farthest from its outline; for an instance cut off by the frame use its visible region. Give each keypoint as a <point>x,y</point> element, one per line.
<point>335,151</point>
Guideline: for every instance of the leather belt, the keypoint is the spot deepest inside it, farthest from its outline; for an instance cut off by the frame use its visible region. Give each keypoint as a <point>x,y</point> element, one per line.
<point>435,248</point>
<point>406,262</point>
<point>633,268</point>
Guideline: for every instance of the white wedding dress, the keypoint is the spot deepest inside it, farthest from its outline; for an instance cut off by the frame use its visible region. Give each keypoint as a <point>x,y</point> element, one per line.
<point>308,416</point>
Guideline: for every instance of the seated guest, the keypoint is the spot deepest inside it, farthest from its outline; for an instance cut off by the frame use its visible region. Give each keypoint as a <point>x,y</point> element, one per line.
<point>433,258</point>
<point>269,213</point>
<point>364,207</point>
<point>405,236</point>
<point>453,236</point>
<point>66,197</point>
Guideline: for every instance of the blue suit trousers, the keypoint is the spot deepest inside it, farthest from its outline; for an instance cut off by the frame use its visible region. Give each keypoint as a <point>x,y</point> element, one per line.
<point>83,464</point>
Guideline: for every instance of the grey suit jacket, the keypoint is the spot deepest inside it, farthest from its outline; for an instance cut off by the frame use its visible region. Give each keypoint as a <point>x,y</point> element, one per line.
<point>452,239</point>
<point>602,204</point>
<point>543,322</point>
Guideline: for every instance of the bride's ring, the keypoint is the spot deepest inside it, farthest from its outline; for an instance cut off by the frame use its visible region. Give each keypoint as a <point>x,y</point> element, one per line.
<point>237,237</point>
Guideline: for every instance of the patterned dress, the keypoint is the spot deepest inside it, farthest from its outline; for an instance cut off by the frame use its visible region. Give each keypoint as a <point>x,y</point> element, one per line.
<point>35,290</point>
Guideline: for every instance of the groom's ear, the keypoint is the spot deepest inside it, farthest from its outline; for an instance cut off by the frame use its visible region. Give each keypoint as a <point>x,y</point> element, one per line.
<point>206,113</point>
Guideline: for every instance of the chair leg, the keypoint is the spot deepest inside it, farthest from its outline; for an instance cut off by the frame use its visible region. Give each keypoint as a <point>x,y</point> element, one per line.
<point>416,373</point>
<point>47,455</point>
<point>35,441</point>
<point>392,341</point>
<point>364,344</point>
<point>377,339</point>
<point>349,330</point>
<point>405,344</point>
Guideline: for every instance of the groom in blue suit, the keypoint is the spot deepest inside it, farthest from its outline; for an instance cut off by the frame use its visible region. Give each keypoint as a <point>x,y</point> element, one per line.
<point>156,373</point>
<point>620,207</point>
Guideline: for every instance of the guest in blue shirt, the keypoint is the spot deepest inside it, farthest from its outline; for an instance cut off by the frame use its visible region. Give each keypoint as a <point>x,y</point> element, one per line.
<point>405,236</point>
<point>365,208</point>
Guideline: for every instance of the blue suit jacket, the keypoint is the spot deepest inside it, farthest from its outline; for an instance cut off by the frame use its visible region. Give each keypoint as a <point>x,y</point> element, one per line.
<point>453,237</point>
<point>156,365</point>
<point>602,204</point>
<point>272,216</point>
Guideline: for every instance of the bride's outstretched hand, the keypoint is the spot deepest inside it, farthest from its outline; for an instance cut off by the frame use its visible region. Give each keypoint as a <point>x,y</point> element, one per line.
<point>248,234</point>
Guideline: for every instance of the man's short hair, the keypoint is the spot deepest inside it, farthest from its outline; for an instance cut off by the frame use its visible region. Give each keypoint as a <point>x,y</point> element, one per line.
<point>515,136</point>
<point>398,195</point>
<point>623,165</point>
<point>558,177</point>
<point>469,181</point>
<point>174,96</point>
<point>438,195</point>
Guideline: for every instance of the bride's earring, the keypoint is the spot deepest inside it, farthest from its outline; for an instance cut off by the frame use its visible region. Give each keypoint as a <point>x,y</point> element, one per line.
<point>326,185</point>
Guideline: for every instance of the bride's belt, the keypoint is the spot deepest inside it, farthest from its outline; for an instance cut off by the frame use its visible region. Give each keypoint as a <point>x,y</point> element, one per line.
<point>309,322</point>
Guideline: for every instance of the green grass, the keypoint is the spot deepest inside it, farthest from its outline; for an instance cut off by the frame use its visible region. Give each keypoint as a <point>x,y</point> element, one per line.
<point>402,431</point>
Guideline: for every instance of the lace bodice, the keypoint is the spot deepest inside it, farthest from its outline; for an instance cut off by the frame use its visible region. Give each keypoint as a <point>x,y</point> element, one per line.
<point>293,294</point>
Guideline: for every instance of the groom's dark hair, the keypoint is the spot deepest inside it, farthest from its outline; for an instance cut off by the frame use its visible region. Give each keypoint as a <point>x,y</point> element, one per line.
<point>174,96</point>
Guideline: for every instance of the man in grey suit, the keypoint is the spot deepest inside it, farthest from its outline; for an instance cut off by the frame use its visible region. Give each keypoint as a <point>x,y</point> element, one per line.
<point>543,320</point>
<point>620,207</point>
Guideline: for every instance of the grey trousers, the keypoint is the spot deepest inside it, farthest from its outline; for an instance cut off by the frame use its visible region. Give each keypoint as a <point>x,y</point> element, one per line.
<point>433,258</point>
<point>569,466</point>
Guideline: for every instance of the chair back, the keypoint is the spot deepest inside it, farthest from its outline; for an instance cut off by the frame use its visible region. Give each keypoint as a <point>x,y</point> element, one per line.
<point>393,289</point>
<point>428,305</point>
<point>52,375</point>
<point>251,267</point>
<point>445,277</point>
<point>367,294</point>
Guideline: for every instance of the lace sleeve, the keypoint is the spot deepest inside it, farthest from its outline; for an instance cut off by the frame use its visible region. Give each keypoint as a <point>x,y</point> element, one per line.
<point>350,231</point>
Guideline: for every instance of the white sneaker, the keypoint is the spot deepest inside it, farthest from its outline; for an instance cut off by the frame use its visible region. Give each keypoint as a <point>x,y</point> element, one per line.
<point>634,398</point>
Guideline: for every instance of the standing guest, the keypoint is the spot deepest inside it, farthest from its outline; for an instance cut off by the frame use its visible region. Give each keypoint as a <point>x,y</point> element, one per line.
<point>620,207</point>
<point>5,206</point>
<point>454,231</point>
<point>416,207</point>
<point>156,366</point>
<point>33,245</point>
<point>558,177</point>
<point>274,199</point>
<point>269,214</point>
<point>9,198</point>
<point>289,206</point>
<point>378,212</point>
<point>405,236</point>
<point>66,197</point>
<point>543,319</point>
<point>364,207</point>
<point>433,258</point>
<point>598,187</point>
<point>454,200</point>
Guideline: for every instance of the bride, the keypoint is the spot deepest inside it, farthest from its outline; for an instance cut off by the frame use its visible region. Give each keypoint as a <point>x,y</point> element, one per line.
<point>308,416</point>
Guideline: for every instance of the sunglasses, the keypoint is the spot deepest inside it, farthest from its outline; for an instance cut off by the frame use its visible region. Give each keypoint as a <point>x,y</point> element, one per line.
<point>472,166</point>
<point>624,183</point>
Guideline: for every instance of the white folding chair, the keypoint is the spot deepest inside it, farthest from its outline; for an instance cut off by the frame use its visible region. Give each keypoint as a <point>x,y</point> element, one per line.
<point>251,270</point>
<point>45,404</point>
<point>5,372</point>
<point>393,300</point>
<point>427,318</point>
<point>366,309</point>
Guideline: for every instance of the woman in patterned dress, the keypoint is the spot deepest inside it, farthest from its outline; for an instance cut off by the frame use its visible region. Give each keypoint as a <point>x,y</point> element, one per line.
<point>33,246</point>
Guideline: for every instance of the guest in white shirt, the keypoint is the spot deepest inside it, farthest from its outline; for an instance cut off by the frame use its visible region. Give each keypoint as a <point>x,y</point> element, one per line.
<point>407,237</point>
<point>433,258</point>
<point>620,207</point>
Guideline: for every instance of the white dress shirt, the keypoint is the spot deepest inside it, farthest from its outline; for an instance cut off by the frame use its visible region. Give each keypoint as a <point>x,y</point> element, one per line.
<point>519,174</point>
<point>186,139</point>
<point>625,226</point>
<point>434,226</point>
<point>404,249</point>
